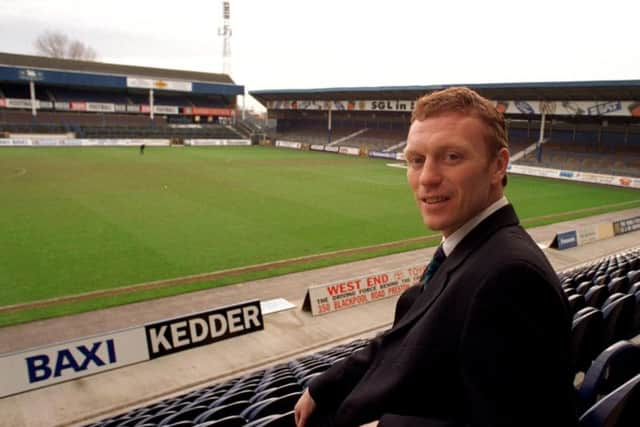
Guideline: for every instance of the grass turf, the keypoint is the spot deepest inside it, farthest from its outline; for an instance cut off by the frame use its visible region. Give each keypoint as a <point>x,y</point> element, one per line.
<point>78,220</point>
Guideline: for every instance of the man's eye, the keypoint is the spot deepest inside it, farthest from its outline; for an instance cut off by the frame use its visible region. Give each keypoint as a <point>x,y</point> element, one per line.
<point>415,161</point>
<point>453,157</point>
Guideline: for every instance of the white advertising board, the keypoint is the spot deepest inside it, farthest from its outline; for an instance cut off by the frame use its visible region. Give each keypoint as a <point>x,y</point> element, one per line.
<point>323,299</point>
<point>218,142</point>
<point>594,178</point>
<point>74,359</point>
<point>289,144</point>
<point>146,83</point>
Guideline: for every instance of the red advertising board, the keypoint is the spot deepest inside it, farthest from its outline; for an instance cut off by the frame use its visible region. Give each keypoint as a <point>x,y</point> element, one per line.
<point>206,111</point>
<point>78,106</point>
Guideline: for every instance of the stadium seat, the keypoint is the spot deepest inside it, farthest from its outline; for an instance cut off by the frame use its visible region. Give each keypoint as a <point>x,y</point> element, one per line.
<point>231,397</point>
<point>276,392</point>
<point>633,276</point>
<point>232,421</point>
<point>596,295</point>
<point>586,337</point>
<point>635,287</point>
<point>618,284</point>
<point>188,414</point>
<point>274,405</point>
<point>280,420</point>
<point>576,302</point>
<point>636,322</point>
<point>305,380</point>
<point>620,408</point>
<point>182,423</point>
<point>613,367</point>
<point>601,279</point>
<point>157,418</point>
<point>208,400</point>
<point>618,272</point>
<point>583,287</point>
<point>618,317</point>
<point>223,411</point>
<point>277,382</point>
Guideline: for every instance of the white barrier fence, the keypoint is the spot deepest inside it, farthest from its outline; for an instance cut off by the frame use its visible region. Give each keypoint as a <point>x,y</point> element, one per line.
<point>55,142</point>
<point>217,142</point>
<point>594,232</point>
<point>80,142</point>
<point>595,178</point>
<point>44,366</point>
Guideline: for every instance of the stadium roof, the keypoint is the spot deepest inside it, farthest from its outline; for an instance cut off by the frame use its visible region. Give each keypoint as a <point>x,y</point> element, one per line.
<point>104,75</point>
<point>31,61</point>
<point>578,91</point>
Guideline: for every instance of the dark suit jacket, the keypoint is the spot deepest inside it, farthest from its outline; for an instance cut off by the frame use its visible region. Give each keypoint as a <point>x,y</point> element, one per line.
<point>486,344</point>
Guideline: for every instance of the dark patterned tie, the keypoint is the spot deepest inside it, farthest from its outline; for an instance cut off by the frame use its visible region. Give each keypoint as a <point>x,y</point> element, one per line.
<point>432,267</point>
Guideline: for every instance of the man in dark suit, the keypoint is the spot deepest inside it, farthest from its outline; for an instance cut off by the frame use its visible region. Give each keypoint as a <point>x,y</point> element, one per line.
<point>483,339</point>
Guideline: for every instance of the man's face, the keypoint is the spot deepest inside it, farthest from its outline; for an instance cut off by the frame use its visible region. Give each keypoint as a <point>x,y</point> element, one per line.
<point>452,176</point>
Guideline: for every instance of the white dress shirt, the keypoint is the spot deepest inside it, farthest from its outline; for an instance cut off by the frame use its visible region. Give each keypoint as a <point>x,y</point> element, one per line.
<point>450,243</point>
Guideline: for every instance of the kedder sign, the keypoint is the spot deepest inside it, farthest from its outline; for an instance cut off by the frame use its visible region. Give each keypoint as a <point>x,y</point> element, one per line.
<point>195,330</point>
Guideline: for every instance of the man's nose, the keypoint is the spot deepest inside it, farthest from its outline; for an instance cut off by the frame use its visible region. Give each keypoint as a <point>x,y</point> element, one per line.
<point>430,174</point>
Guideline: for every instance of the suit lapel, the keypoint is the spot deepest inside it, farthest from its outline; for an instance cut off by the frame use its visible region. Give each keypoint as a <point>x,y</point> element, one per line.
<point>503,217</point>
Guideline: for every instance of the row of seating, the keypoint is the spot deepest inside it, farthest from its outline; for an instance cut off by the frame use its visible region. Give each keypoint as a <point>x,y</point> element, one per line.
<point>260,398</point>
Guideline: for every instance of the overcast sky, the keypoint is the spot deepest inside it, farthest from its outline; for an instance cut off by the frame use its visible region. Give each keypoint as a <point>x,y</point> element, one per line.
<point>281,44</point>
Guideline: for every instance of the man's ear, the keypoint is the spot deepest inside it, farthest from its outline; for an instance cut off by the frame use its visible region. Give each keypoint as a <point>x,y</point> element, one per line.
<point>501,163</point>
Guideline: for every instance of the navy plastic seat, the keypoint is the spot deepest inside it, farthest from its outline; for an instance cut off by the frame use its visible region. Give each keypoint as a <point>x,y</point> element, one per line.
<point>188,414</point>
<point>596,295</point>
<point>289,379</point>
<point>232,421</point>
<point>620,408</point>
<point>304,381</point>
<point>618,317</point>
<point>601,279</point>
<point>231,397</point>
<point>274,405</point>
<point>157,418</point>
<point>618,284</point>
<point>583,287</point>
<point>576,302</point>
<point>633,276</point>
<point>207,400</point>
<point>275,392</point>
<point>613,367</point>
<point>636,321</point>
<point>586,337</point>
<point>280,420</point>
<point>223,411</point>
<point>181,423</point>
<point>617,272</point>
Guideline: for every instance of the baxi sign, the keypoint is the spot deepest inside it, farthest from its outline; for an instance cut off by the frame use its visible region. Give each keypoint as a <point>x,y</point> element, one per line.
<point>35,368</point>
<point>67,361</point>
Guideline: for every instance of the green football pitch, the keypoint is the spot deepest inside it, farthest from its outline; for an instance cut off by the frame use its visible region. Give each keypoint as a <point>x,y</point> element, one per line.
<point>77,220</point>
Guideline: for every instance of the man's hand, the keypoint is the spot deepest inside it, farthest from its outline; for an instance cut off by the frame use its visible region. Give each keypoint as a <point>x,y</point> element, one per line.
<point>303,409</point>
<point>371,424</point>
